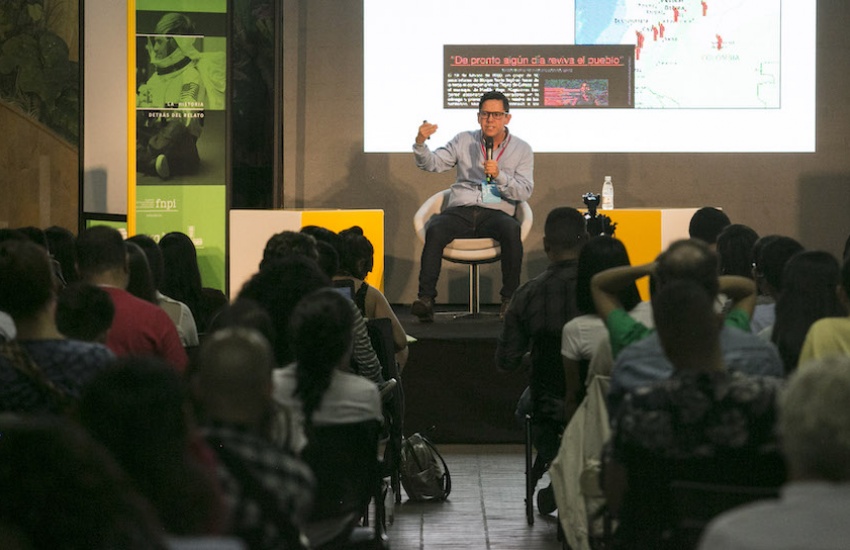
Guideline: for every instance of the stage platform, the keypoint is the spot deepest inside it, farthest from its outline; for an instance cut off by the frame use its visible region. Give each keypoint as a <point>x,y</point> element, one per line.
<point>451,382</point>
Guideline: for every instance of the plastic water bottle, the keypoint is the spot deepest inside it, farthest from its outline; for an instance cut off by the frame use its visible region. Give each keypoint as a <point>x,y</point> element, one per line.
<point>607,194</point>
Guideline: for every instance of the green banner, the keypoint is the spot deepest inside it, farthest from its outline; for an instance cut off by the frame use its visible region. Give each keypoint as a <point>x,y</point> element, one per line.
<point>181,146</point>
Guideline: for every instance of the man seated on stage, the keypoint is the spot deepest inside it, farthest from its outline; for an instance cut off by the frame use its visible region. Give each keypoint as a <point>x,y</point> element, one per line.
<point>495,171</point>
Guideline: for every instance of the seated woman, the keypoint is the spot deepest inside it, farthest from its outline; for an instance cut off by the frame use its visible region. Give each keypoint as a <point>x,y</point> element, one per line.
<point>317,388</point>
<point>581,335</point>
<point>705,423</point>
<point>182,279</point>
<point>810,282</point>
<point>356,259</point>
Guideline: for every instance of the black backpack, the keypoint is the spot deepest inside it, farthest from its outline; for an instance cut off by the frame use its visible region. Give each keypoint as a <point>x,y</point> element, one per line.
<point>424,474</point>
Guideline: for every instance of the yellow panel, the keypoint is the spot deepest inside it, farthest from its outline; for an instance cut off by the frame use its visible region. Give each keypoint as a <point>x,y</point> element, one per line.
<point>372,222</point>
<point>640,231</point>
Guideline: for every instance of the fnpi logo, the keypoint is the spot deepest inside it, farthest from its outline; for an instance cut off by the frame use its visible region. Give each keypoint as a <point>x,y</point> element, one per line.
<point>170,204</point>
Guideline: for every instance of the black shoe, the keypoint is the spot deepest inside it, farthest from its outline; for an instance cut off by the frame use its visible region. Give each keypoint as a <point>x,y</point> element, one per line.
<point>546,500</point>
<point>423,308</point>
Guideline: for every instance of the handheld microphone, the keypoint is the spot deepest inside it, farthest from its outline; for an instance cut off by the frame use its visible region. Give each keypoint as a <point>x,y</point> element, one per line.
<point>488,147</point>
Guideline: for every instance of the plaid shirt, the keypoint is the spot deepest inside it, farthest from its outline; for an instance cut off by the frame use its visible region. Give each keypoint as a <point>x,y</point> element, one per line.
<point>286,481</point>
<point>538,312</point>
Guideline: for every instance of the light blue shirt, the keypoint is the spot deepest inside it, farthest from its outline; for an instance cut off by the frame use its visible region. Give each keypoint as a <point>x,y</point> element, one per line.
<point>644,362</point>
<point>465,152</point>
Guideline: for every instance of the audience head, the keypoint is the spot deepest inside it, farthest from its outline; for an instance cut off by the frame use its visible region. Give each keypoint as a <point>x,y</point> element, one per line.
<point>707,223</point>
<point>245,313</point>
<point>809,283</point>
<point>814,421</point>
<point>321,337</point>
<point>688,259</point>
<point>140,283</point>
<point>770,263</point>
<point>356,253</point>
<point>328,258</point>
<point>62,245</point>
<point>321,234</point>
<point>153,254</point>
<point>61,489</point>
<point>565,231</point>
<point>181,279</point>
<point>234,376</point>
<point>100,250</point>
<point>600,253</point>
<point>139,411</point>
<point>687,325</point>
<point>27,284</point>
<point>735,247</point>
<point>289,243</point>
<point>278,287</point>
<point>36,235</point>
<point>7,234</point>
<point>84,312</point>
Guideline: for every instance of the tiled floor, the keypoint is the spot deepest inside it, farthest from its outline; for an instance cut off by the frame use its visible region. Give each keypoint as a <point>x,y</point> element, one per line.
<point>485,510</point>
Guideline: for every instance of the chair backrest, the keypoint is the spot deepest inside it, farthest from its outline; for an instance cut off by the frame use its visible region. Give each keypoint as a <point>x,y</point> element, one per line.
<point>344,460</point>
<point>695,504</point>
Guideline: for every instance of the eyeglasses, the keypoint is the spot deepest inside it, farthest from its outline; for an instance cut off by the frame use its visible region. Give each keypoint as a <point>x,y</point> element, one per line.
<point>496,115</point>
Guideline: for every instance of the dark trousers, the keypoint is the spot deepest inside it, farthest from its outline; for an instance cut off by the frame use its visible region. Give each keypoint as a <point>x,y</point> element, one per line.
<point>469,222</point>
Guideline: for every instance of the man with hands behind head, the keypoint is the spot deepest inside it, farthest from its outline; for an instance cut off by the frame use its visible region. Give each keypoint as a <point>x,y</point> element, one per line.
<point>495,171</point>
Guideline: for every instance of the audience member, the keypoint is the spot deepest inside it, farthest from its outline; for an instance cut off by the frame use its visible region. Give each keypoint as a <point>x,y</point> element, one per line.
<point>139,412</point>
<point>643,361</point>
<point>768,266</point>
<point>689,259</point>
<point>830,336</point>
<point>680,428</point>
<point>269,491</point>
<point>764,312</point>
<point>278,288</point>
<point>706,224</point>
<point>316,388</point>
<point>814,425</point>
<point>61,489</point>
<point>581,335</point>
<point>182,279</point>
<point>140,282</point>
<point>290,243</point>
<point>7,325</point>
<point>247,314</point>
<point>179,312</point>
<point>84,312</point>
<point>356,259</point>
<point>734,248</point>
<point>38,236</point>
<point>533,322</point>
<point>40,371</point>
<point>809,292</point>
<point>62,245</point>
<point>139,327</point>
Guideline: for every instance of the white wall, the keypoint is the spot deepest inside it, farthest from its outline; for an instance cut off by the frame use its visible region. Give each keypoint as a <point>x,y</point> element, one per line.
<point>105,140</point>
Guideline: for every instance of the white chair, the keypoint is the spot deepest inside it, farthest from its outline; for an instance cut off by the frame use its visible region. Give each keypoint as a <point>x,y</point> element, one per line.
<point>471,252</point>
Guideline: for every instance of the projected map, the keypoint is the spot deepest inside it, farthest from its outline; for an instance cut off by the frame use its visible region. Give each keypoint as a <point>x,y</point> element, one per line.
<point>692,54</point>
